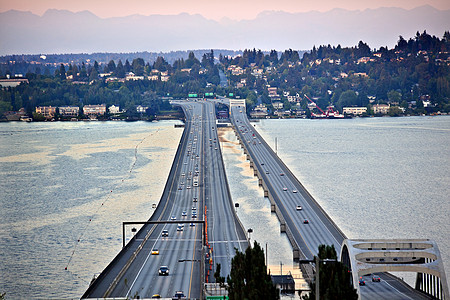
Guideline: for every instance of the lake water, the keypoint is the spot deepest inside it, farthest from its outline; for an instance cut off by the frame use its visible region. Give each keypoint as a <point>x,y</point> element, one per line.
<point>64,182</point>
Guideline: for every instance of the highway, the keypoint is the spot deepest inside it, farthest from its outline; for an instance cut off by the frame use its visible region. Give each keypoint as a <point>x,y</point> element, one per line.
<point>308,225</point>
<point>131,274</point>
<point>225,233</point>
<point>196,184</point>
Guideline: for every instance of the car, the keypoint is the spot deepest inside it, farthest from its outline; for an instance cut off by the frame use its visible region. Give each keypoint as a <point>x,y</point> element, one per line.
<point>281,174</point>
<point>299,207</point>
<point>195,199</point>
<point>192,224</point>
<point>180,228</point>
<point>194,208</point>
<point>267,172</point>
<point>155,251</point>
<point>285,189</point>
<point>156,296</point>
<point>173,218</point>
<point>184,214</point>
<point>305,221</point>
<point>165,233</point>
<point>361,281</point>
<point>179,295</point>
<point>194,216</point>
<point>188,187</point>
<point>163,271</point>
<point>182,174</point>
<point>262,164</point>
<point>376,278</point>
<point>180,188</point>
<point>294,191</point>
<point>215,148</point>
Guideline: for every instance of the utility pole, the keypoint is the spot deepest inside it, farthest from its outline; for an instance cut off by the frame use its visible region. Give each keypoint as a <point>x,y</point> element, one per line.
<point>317,277</point>
<point>276,148</point>
<point>266,256</point>
<point>281,268</point>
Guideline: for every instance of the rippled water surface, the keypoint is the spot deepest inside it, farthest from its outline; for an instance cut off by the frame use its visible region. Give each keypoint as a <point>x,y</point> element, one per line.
<point>64,182</point>
<point>376,177</point>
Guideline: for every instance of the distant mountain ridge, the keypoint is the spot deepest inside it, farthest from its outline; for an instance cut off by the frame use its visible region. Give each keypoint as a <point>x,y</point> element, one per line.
<point>62,31</point>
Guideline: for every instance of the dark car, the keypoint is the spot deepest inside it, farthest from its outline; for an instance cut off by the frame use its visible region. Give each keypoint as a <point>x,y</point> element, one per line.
<point>305,221</point>
<point>361,281</point>
<point>163,271</point>
<point>376,278</point>
<point>179,295</point>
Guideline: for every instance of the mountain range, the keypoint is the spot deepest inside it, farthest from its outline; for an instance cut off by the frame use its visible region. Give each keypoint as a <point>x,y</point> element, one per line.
<point>62,31</point>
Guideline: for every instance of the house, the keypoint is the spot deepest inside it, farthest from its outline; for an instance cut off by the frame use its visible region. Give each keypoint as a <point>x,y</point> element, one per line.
<point>114,109</point>
<point>260,111</point>
<point>131,76</point>
<point>272,92</point>
<point>285,283</point>
<point>354,110</point>
<point>5,83</point>
<point>69,111</point>
<point>141,109</point>
<point>360,75</point>
<point>47,111</point>
<point>277,105</point>
<point>380,109</point>
<point>363,60</point>
<point>94,110</point>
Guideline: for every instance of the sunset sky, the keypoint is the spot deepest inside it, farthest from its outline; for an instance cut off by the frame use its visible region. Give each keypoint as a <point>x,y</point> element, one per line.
<point>211,9</point>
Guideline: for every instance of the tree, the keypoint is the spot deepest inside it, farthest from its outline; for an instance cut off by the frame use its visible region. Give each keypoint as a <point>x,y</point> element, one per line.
<point>394,96</point>
<point>119,70</point>
<point>219,279</point>
<point>334,281</point>
<point>347,98</point>
<point>248,277</point>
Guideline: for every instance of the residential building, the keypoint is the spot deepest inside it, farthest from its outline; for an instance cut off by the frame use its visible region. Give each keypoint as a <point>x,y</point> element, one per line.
<point>94,110</point>
<point>277,105</point>
<point>5,83</point>
<point>141,109</point>
<point>354,110</point>
<point>285,283</point>
<point>380,109</point>
<point>114,109</point>
<point>47,111</point>
<point>69,111</point>
<point>260,111</point>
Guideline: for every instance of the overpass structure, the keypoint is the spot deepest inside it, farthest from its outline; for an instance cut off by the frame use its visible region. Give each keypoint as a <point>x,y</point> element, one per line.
<point>196,190</point>
<point>421,256</point>
<point>303,220</point>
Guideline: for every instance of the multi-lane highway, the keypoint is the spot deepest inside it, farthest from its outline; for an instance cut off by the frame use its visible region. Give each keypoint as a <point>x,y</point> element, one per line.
<point>135,271</point>
<point>307,223</point>
<point>225,232</point>
<point>196,185</point>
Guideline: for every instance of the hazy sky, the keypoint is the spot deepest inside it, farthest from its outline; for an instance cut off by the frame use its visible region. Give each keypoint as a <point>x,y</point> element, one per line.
<point>211,9</point>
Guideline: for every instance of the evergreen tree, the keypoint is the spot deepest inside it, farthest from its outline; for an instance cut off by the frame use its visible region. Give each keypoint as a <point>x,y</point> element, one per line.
<point>335,279</point>
<point>248,278</point>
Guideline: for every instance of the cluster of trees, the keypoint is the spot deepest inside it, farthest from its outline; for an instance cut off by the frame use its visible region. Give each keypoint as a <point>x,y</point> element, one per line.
<point>248,277</point>
<point>85,86</point>
<point>47,64</point>
<point>414,69</point>
<point>333,75</point>
<point>334,278</point>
